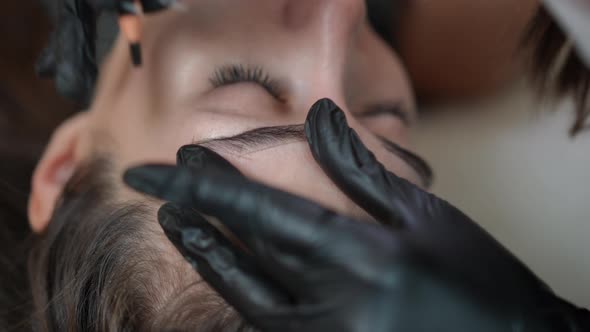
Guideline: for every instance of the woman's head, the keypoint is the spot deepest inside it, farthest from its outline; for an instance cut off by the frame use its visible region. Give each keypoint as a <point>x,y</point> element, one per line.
<point>238,77</point>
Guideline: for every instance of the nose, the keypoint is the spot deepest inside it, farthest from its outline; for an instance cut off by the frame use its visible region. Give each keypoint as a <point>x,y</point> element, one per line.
<point>344,13</point>
<point>330,28</point>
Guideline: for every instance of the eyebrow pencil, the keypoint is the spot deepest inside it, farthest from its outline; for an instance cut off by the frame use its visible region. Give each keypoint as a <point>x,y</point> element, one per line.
<point>131,28</point>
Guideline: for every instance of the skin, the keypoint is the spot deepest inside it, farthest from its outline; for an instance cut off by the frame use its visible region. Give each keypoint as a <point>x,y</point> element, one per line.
<point>315,49</point>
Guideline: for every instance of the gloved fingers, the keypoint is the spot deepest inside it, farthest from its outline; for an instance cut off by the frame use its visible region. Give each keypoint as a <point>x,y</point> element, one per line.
<point>68,58</point>
<point>270,222</point>
<point>197,157</point>
<point>353,168</point>
<point>226,268</point>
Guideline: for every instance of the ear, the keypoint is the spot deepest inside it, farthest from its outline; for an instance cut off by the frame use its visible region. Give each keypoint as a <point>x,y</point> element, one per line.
<point>55,169</point>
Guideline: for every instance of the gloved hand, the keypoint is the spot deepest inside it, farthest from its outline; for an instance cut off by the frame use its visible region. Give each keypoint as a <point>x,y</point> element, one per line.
<point>70,58</point>
<point>427,268</point>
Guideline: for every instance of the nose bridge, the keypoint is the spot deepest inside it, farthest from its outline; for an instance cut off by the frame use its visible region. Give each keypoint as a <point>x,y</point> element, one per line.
<point>330,27</point>
<point>343,13</point>
<point>332,23</point>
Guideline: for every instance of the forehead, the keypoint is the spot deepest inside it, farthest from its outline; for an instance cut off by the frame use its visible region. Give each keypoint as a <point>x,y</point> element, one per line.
<point>168,102</point>
<point>245,29</point>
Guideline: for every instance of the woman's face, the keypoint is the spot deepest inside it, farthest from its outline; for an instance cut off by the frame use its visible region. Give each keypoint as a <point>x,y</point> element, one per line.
<point>218,68</point>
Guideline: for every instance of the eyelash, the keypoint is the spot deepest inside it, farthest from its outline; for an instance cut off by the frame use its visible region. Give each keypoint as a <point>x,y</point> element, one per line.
<point>233,74</point>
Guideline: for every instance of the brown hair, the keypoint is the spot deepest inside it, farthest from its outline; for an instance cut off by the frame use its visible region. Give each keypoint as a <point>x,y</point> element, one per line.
<point>103,265</point>
<point>556,69</point>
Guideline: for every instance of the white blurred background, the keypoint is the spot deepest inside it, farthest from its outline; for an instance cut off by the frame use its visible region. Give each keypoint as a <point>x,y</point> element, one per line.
<point>509,163</point>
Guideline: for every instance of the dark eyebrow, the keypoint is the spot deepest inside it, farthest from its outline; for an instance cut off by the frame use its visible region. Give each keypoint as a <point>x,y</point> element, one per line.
<point>256,139</point>
<point>268,137</point>
<point>395,109</point>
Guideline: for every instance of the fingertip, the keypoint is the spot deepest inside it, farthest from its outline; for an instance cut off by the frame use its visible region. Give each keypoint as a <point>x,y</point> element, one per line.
<point>197,157</point>
<point>318,111</point>
<point>149,179</point>
<point>324,117</point>
<point>133,176</point>
<point>324,104</point>
<point>326,130</point>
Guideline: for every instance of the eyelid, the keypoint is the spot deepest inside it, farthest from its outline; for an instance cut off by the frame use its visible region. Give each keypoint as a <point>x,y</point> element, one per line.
<point>237,73</point>
<point>393,109</point>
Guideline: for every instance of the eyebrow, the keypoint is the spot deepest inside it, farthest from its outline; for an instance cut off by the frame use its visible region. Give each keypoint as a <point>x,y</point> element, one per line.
<point>264,138</point>
<point>255,140</point>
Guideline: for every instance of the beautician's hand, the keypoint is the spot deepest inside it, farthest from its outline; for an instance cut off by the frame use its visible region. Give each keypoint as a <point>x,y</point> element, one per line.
<point>70,58</point>
<point>429,268</point>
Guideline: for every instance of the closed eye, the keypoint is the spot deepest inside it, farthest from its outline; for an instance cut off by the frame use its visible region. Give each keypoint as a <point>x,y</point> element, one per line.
<point>237,73</point>
<point>393,109</point>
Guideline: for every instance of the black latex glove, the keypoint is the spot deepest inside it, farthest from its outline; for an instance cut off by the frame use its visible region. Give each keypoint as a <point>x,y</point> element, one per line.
<point>70,58</point>
<point>428,268</point>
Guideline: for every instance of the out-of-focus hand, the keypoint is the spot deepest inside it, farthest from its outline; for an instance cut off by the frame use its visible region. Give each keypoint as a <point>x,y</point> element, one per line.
<point>428,267</point>
<point>70,58</point>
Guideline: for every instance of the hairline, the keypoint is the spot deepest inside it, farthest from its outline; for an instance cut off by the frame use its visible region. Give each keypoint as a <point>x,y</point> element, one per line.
<point>122,227</point>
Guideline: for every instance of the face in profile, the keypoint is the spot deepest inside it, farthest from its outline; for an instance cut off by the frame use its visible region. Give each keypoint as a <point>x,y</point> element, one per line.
<point>217,72</point>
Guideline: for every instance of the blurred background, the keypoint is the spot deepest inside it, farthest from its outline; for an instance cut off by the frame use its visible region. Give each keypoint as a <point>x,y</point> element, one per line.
<point>508,162</point>
<point>499,153</point>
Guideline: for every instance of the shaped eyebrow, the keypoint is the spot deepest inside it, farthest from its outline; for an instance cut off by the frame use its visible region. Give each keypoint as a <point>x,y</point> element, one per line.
<point>256,139</point>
